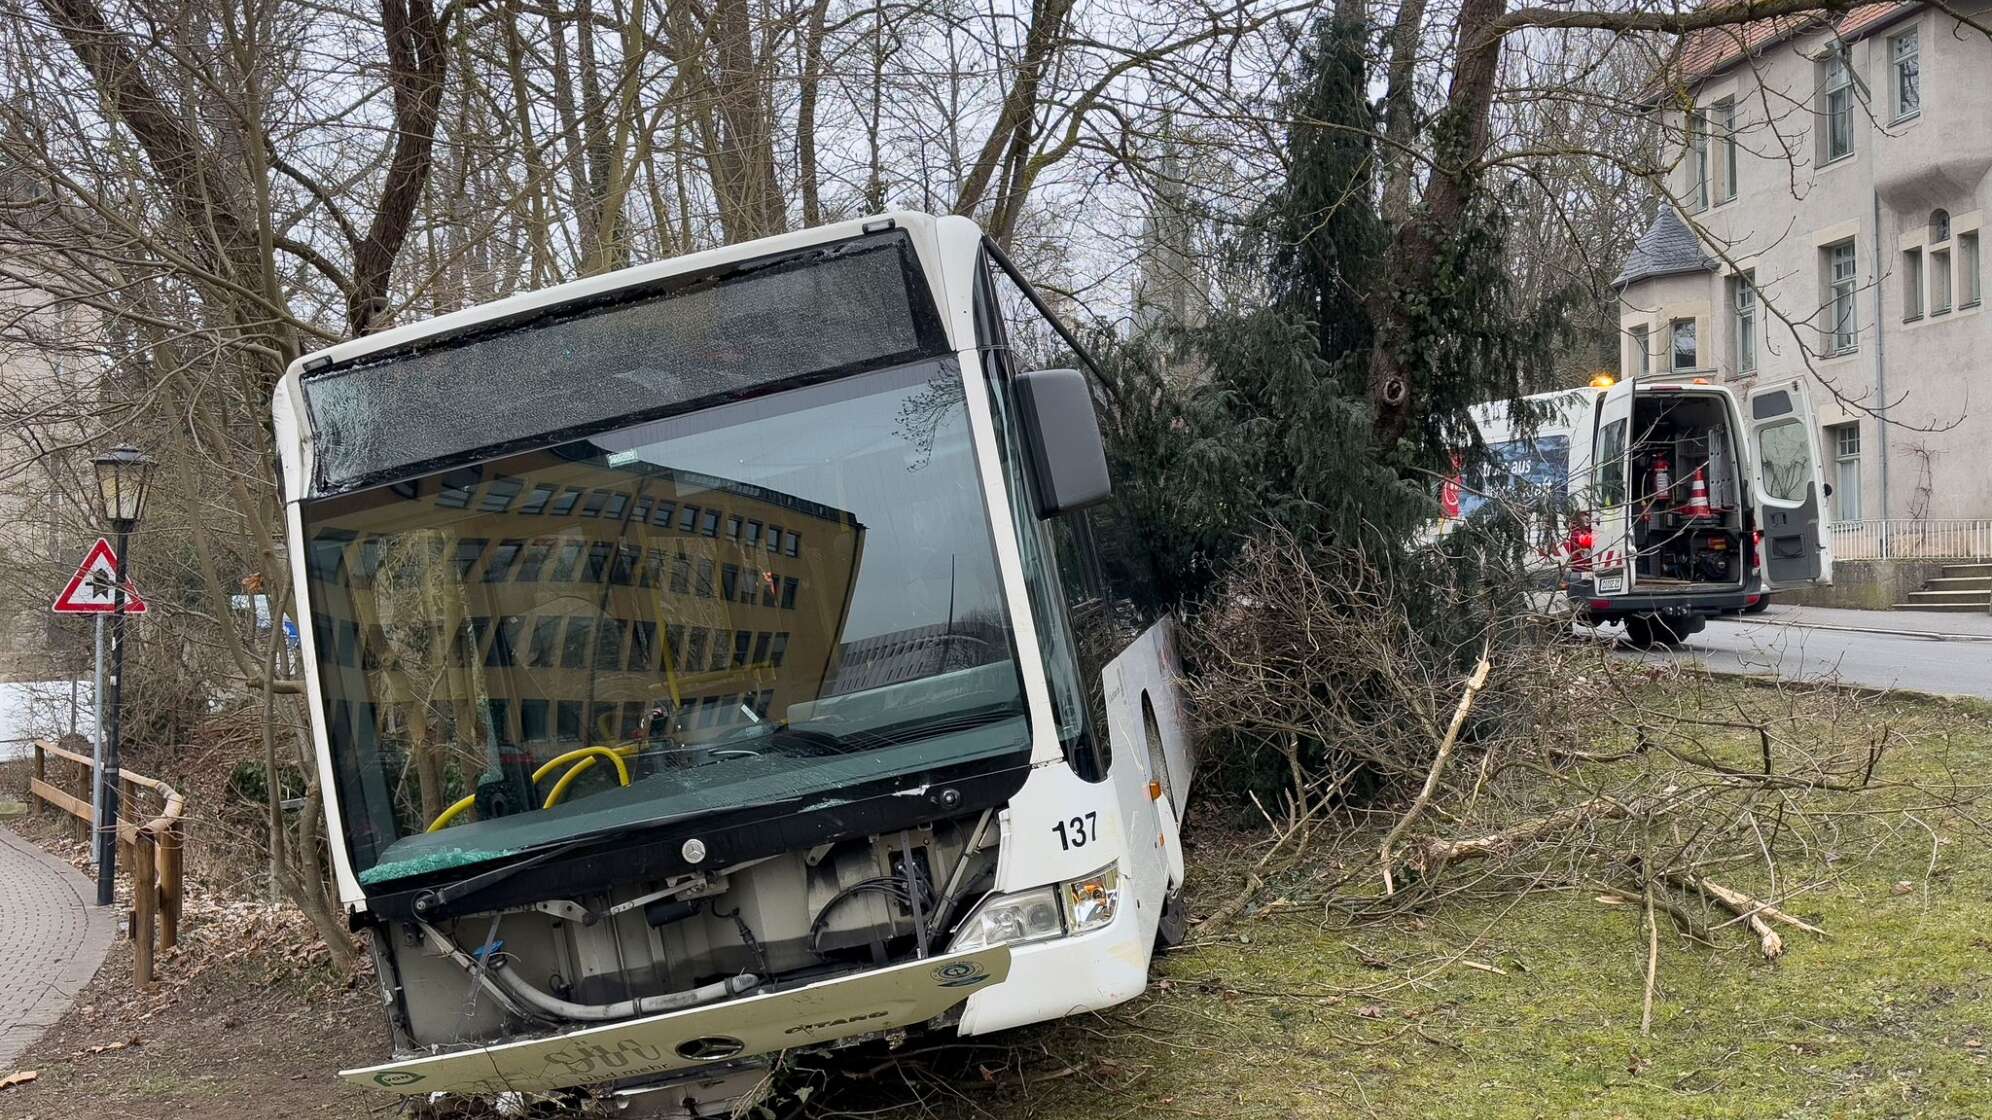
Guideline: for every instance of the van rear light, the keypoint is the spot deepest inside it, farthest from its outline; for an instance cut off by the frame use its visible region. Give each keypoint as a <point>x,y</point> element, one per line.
<point>1756,548</point>
<point>1601,604</point>
<point>1577,545</point>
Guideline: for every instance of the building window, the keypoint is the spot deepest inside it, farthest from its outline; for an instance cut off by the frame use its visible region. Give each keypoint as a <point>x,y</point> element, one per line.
<point>1912,284</point>
<point>1837,105</point>
<point>1743,306</point>
<point>1970,283</point>
<point>1842,328</point>
<point>1682,335</point>
<point>1908,74</point>
<point>1641,352</point>
<point>1725,120</point>
<point>1698,155</point>
<point>1940,262</point>
<point>1845,440</point>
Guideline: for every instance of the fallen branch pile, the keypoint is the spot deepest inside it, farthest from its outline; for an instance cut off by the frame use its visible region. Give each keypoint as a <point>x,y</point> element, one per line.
<point>1536,765</point>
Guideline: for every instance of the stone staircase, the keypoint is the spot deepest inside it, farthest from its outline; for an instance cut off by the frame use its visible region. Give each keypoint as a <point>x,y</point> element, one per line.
<point>1963,587</point>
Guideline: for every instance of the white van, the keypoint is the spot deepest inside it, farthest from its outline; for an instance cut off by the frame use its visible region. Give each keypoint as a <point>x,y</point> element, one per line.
<point>1691,499</point>
<point>1680,499</point>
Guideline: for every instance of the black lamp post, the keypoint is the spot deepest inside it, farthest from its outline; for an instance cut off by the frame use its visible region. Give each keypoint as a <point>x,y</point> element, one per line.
<point>122,476</point>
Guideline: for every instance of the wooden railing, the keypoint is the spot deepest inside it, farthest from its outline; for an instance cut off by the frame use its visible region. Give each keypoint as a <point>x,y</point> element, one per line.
<point>152,852</point>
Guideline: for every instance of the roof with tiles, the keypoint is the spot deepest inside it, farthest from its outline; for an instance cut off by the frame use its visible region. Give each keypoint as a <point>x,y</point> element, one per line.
<point>1715,49</point>
<point>1668,247</point>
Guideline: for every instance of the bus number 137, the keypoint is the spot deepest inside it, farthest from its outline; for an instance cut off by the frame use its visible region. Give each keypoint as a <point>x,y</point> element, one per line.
<point>1077,832</point>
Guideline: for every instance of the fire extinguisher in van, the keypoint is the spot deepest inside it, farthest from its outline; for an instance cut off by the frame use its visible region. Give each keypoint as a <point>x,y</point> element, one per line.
<point>1663,481</point>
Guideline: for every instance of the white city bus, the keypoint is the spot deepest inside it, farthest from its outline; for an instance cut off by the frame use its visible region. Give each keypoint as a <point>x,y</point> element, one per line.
<point>730,655</point>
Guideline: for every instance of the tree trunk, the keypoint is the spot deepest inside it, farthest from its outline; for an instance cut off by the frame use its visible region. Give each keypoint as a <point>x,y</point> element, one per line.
<point>744,163</point>
<point>1019,104</point>
<point>1400,111</point>
<point>805,115</point>
<point>416,66</point>
<point>1414,249</point>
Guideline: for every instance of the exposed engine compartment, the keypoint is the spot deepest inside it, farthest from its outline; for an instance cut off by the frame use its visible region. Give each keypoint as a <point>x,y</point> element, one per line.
<point>648,947</point>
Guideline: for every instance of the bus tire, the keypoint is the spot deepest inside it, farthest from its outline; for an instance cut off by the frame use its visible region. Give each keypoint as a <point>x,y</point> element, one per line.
<point>1174,928</point>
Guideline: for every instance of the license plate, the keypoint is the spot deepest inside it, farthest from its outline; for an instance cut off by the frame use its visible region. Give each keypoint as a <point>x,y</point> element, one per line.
<point>1611,585</point>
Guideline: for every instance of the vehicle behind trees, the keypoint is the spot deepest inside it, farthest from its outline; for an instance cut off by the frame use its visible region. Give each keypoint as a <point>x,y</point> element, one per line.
<point>1678,499</point>
<point>730,655</point>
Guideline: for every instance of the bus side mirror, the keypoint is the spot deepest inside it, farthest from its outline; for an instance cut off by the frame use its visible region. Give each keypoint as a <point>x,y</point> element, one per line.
<point>1068,459</point>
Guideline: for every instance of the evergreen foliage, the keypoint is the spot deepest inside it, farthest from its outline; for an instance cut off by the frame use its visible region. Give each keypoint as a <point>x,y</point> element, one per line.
<point>1320,233</point>
<point>1276,430</point>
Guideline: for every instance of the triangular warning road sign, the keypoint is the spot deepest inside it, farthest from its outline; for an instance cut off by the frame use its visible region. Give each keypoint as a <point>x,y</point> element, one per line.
<point>91,589</point>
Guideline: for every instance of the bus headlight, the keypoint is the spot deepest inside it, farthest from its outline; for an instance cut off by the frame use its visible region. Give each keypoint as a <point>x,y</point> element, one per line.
<point>1042,913</point>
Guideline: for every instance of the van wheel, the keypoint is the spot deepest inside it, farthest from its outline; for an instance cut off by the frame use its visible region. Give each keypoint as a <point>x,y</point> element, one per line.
<point>1174,928</point>
<point>1649,631</point>
<point>1639,632</point>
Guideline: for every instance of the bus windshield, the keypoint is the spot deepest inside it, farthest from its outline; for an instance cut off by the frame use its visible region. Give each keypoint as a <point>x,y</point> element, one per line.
<point>751,606</point>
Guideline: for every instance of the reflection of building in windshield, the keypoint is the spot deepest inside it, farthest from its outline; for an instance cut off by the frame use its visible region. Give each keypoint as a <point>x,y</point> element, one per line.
<point>922,651</point>
<point>546,602</point>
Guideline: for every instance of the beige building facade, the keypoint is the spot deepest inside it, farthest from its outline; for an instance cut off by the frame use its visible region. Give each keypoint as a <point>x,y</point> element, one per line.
<point>1824,217</point>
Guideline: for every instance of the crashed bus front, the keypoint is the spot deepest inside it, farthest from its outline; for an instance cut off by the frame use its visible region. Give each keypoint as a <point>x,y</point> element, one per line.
<point>678,684</point>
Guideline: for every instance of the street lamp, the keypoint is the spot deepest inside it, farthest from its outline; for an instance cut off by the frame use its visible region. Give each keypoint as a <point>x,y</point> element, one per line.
<point>122,477</point>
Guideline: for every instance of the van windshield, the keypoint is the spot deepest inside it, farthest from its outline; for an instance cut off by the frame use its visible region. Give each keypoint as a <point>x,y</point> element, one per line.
<point>756,604</point>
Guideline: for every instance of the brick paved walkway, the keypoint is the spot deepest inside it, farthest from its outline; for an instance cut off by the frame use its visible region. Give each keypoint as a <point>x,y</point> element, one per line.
<point>51,941</point>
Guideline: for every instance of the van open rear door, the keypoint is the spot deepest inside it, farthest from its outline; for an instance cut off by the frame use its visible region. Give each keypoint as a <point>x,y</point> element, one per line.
<point>1787,485</point>
<point>1611,465</point>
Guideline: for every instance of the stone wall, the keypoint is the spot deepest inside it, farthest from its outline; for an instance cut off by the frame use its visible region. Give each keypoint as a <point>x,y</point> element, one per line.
<point>1873,585</point>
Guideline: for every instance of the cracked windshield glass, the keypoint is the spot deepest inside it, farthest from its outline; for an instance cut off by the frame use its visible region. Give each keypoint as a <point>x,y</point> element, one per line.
<point>762,604</point>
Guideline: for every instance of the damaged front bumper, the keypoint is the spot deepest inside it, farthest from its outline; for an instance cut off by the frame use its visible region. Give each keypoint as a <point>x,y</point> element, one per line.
<point>827,1011</point>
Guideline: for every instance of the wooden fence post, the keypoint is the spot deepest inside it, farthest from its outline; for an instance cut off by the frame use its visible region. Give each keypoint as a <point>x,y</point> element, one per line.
<point>41,775</point>
<point>128,811</point>
<point>170,841</point>
<point>88,776</point>
<point>145,903</point>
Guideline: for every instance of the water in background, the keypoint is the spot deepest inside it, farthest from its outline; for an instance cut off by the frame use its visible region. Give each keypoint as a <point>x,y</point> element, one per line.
<point>31,710</point>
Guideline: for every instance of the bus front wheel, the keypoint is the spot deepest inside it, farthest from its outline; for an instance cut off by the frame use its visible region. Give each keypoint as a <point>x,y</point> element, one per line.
<point>1174,928</point>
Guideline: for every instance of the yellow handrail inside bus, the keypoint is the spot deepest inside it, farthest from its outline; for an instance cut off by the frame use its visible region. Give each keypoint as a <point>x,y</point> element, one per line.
<point>586,757</point>
<point>447,815</point>
<point>560,787</point>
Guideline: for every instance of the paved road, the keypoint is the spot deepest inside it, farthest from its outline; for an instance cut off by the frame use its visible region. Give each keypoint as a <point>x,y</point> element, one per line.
<point>51,942</point>
<point>1956,665</point>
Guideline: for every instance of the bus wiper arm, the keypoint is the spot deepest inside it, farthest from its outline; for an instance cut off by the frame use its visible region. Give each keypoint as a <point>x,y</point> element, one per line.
<point>433,901</point>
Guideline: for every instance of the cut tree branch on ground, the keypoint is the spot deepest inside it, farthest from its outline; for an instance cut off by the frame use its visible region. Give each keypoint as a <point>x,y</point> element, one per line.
<point>1474,683</point>
<point>1438,853</point>
<point>1753,912</point>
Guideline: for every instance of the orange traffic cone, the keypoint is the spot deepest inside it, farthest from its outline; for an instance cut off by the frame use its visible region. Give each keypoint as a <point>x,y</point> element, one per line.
<point>1697,505</point>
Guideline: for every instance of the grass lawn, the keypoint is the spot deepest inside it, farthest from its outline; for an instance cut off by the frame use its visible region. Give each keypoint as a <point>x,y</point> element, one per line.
<point>1287,1012</point>
<point>1293,1011</point>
